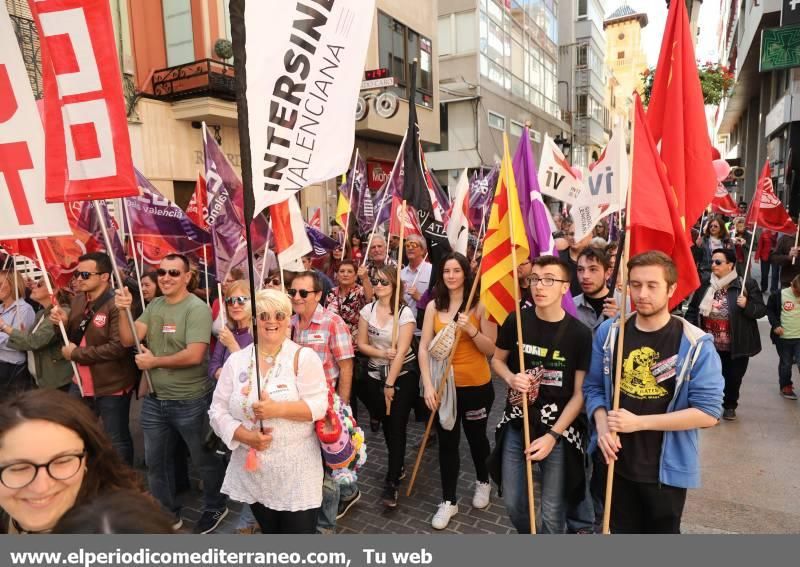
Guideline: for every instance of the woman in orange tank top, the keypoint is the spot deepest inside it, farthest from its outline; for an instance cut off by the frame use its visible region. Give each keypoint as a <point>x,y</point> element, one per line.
<point>474,391</point>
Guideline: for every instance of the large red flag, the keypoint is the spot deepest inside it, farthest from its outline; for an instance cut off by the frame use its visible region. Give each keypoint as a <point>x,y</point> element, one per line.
<point>676,118</point>
<point>197,209</point>
<point>766,209</point>
<point>88,152</point>
<point>651,197</point>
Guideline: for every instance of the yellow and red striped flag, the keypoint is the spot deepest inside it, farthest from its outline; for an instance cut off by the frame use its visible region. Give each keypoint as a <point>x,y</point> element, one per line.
<point>342,210</point>
<point>506,229</point>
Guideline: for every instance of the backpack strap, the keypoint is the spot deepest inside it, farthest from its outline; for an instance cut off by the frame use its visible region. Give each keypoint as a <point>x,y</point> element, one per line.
<point>297,360</point>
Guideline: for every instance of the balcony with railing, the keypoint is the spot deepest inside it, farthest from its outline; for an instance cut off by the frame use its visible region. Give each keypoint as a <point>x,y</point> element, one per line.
<point>203,78</point>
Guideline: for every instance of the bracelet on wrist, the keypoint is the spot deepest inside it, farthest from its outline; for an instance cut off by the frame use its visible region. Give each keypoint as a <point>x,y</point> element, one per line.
<point>477,332</point>
<point>389,387</point>
<point>554,435</point>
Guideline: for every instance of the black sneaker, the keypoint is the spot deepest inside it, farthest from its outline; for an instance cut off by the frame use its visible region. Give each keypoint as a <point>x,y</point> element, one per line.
<point>345,505</point>
<point>389,495</point>
<point>209,521</point>
<point>374,425</point>
<point>729,414</point>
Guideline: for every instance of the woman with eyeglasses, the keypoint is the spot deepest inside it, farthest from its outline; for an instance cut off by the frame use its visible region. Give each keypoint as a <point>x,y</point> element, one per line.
<point>15,313</point>
<point>714,236</point>
<point>237,334</point>
<point>392,374</point>
<point>53,456</point>
<point>42,341</point>
<point>276,461</point>
<point>473,386</point>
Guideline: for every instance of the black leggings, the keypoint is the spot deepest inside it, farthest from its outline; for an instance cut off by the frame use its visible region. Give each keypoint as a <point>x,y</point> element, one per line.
<point>394,425</point>
<point>646,508</point>
<point>473,406</point>
<point>733,370</point>
<point>279,522</point>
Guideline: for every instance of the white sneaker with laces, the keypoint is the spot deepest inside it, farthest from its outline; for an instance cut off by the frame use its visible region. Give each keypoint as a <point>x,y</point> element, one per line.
<point>442,516</point>
<point>483,490</point>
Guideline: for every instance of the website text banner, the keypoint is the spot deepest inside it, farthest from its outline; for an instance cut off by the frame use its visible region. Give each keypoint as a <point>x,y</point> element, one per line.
<point>393,551</point>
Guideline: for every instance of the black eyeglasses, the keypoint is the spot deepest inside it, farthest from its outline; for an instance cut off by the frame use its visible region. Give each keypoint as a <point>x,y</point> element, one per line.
<point>302,292</point>
<point>85,275</point>
<point>173,273</point>
<point>274,281</point>
<point>238,299</point>
<point>533,281</point>
<point>19,475</point>
<point>376,281</point>
<point>268,317</point>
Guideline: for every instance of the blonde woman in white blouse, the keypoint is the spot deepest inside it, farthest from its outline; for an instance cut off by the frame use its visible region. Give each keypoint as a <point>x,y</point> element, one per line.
<point>285,488</point>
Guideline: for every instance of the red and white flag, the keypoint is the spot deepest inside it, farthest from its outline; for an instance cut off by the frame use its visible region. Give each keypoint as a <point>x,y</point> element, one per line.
<point>766,210</point>
<point>86,126</point>
<point>458,225</point>
<point>197,209</point>
<point>289,232</point>
<point>23,210</point>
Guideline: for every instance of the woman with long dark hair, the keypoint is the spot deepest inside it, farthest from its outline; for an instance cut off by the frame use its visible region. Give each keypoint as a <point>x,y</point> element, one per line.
<point>473,388</point>
<point>53,455</point>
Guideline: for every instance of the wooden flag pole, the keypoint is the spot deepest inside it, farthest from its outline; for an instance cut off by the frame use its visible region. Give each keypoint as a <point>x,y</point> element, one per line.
<point>222,305</point>
<point>127,218</point>
<point>440,389</point>
<point>16,285</point>
<point>396,318</point>
<point>796,239</point>
<point>205,271</point>
<point>749,257</point>
<point>64,337</point>
<point>118,279</point>
<point>620,344</point>
<point>525,425</point>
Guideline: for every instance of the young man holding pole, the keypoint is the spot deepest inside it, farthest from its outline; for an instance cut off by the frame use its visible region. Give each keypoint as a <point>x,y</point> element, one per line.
<point>557,350</point>
<point>670,386</point>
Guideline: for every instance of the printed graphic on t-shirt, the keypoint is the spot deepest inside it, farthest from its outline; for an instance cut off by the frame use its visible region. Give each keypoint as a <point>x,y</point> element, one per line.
<point>644,372</point>
<point>788,305</point>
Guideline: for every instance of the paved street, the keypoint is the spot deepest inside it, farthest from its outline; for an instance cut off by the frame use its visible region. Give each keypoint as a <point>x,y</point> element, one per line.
<point>751,478</point>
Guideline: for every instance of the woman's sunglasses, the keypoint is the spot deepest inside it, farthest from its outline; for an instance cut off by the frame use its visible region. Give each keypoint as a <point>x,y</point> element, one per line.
<point>274,281</point>
<point>238,299</point>
<point>269,317</point>
<point>376,281</point>
<point>173,273</point>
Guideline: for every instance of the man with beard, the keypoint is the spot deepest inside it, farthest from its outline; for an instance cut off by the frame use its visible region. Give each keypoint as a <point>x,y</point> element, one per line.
<point>671,386</point>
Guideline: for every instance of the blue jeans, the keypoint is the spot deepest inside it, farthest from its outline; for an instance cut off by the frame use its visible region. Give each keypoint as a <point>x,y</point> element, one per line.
<point>788,355</point>
<point>549,486</point>
<point>332,493</point>
<point>114,411</point>
<point>162,422</point>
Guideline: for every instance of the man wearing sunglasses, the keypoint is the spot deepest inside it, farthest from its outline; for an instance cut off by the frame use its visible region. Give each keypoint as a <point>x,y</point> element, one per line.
<point>328,335</point>
<point>177,329</point>
<point>416,275</point>
<point>108,374</point>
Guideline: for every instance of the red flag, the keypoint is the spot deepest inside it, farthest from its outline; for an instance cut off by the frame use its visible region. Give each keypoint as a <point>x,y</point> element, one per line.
<point>723,202</point>
<point>197,209</point>
<point>676,118</point>
<point>766,209</point>
<point>86,127</point>
<point>652,196</point>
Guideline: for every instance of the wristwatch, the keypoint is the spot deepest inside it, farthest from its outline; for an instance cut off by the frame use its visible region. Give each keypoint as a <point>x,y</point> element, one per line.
<point>554,435</point>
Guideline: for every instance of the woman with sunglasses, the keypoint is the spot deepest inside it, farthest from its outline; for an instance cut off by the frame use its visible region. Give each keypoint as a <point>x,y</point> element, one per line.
<point>392,376</point>
<point>42,341</point>
<point>714,236</point>
<point>273,280</point>
<point>53,456</point>
<point>237,334</point>
<point>474,392</point>
<point>234,275</point>
<point>276,461</point>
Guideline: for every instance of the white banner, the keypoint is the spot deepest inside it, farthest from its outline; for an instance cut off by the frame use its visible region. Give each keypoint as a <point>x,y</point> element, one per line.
<point>23,211</point>
<point>305,63</point>
<point>458,225</point>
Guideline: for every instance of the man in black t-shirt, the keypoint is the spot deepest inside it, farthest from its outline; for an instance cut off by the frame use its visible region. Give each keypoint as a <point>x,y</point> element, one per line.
<point>557,350</point>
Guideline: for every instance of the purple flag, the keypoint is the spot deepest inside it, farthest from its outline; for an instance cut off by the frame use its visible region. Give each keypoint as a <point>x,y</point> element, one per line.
<point>88,221</point>
<point>320,242</point>
<point>359,196</point>
<point>534,212</point>
<point>481,191</point>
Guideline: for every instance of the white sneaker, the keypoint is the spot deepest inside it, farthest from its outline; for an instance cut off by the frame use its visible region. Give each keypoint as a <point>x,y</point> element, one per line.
<point>442,516</point>
<point>483,490</point>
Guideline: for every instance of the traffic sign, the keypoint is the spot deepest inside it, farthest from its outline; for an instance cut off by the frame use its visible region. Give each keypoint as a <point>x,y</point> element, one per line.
<point>780,48</point>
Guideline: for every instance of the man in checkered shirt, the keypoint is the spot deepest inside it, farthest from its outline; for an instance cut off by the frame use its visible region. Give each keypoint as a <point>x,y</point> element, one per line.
<point>327,334</point>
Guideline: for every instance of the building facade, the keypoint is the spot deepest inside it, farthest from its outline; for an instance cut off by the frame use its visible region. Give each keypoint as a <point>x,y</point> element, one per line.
<point>625,59</point>
<point>498,61</point>
<point>759,120</point>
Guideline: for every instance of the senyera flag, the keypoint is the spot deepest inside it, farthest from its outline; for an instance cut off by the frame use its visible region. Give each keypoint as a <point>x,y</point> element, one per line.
<point>304,62</point>
<point>23,210</point>
<point>86,126</point>
<point>766,210</point>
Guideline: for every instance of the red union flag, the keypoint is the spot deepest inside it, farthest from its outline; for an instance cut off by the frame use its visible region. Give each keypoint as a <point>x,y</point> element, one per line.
<point>86,128</point>
<point>766,209</point>
<point>23,211</point>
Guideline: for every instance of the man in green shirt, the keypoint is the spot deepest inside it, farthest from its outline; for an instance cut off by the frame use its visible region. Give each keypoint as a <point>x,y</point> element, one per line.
<point>176,329</point>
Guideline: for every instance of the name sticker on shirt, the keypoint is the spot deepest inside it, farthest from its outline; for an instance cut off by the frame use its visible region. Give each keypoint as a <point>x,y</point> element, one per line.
<point>278,391</point>
<point>100,320</point>
<point>316,339</point>
<point>169,328</point>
